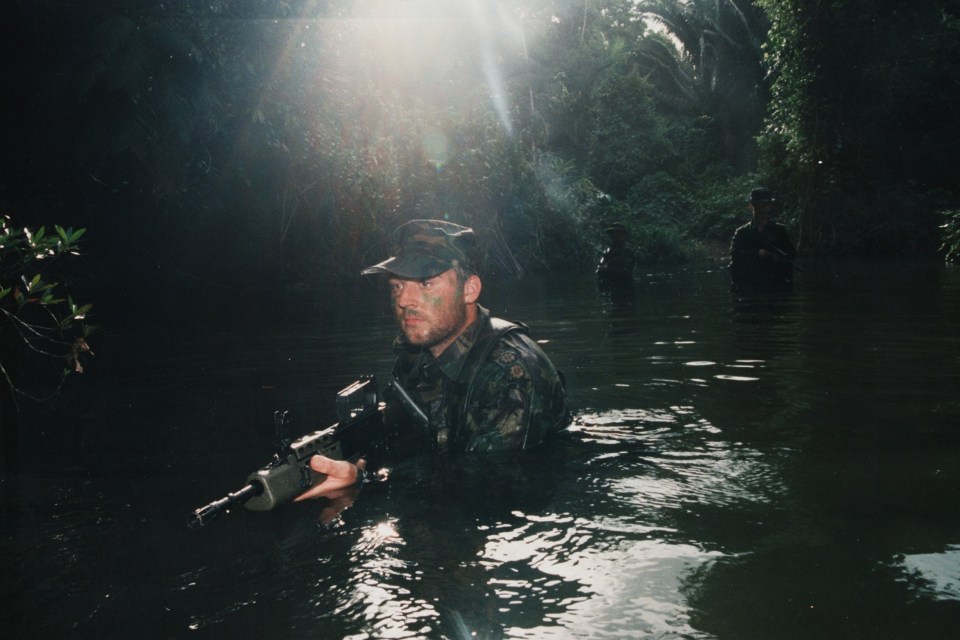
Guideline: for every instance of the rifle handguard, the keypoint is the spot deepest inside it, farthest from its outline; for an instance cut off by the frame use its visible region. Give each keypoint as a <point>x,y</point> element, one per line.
<point>283,480</point>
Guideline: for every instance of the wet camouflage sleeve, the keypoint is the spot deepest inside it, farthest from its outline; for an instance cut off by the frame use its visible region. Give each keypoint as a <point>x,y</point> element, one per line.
<point>519,399</point>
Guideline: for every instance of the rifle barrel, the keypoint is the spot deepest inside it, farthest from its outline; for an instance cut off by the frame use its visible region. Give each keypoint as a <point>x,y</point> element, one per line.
<point>205,514</point>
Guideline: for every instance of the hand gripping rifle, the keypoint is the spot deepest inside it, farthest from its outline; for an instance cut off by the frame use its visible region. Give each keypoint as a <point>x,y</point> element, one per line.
<point>358,432</point>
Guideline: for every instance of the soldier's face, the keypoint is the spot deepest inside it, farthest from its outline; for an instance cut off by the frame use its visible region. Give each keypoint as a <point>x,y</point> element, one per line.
<point>431,312</point>
<point>761,209</point>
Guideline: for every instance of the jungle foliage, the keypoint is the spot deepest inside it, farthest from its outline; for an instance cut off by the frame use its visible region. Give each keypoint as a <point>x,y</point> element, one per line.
<point>255,147</point>
<point>43,331</point>
<point>862,126</point>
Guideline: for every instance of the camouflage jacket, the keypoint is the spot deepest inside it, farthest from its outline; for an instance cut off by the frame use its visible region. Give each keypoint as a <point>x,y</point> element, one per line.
<point>745,263</point>
<point>493,389</point>
<point>617,261</point>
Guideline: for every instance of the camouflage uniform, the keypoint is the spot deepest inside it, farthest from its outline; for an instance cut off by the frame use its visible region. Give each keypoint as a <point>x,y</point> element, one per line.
<point>618,260</point>
<point>493,389</point>
<point>746,266</point>
<point>506,397</point>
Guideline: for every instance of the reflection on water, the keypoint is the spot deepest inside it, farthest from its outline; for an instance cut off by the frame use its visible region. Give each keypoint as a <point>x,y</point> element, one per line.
<point>740,466</point>
<point>938,573</point>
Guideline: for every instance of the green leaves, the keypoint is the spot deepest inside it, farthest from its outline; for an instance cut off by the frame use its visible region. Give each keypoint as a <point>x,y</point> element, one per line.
<point>950,234</point>
<point>69,236</point>
<point>32,307</point>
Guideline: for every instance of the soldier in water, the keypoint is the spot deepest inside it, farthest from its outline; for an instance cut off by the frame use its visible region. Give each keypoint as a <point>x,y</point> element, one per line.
<point>617,262</point>
<point>761,252</point>
<point>485,385</point>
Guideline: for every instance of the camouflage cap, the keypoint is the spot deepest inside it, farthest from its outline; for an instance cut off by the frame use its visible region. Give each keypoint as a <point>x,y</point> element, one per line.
<point>761,194</point>
<point>426,248</point>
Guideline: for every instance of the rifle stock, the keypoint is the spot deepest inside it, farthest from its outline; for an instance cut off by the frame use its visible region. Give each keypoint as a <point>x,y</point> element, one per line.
<point>288,474</point>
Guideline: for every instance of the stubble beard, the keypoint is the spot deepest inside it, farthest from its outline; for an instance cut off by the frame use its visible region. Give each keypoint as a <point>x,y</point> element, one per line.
<point>433,331</point>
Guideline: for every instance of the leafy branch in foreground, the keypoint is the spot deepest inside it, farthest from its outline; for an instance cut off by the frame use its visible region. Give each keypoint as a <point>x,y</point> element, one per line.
<point>951,235</point>
<point>35,319</point>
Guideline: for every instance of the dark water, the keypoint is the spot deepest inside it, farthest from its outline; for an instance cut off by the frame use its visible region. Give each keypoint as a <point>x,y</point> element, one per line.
<point>765,466</point>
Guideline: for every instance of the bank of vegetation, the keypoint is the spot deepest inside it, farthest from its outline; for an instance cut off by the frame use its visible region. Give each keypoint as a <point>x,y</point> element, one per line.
<point>232,154</point>
<point>269,145</point>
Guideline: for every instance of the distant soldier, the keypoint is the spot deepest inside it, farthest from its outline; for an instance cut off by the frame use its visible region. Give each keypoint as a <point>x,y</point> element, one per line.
<point>617,262</point>
<point>761,252</point>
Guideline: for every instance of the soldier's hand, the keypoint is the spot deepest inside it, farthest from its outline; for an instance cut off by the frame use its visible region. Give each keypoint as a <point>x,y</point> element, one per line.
<point>339,476</point>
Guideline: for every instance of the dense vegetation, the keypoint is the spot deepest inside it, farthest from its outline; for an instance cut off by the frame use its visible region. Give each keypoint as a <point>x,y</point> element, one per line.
<point>42,334</point>
<point>265,146</point>
<point>233,154</point>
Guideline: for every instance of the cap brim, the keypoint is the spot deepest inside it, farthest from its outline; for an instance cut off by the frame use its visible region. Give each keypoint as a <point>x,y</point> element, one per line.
<point>377,268</point>
<point>411,266</point>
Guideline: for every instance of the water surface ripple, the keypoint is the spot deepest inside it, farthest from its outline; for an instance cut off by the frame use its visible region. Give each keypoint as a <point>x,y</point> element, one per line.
<point>740,466</point>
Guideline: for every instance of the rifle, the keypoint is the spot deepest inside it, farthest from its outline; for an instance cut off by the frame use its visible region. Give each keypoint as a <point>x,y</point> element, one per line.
<point>359,431</point>
<point>769,246</point>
